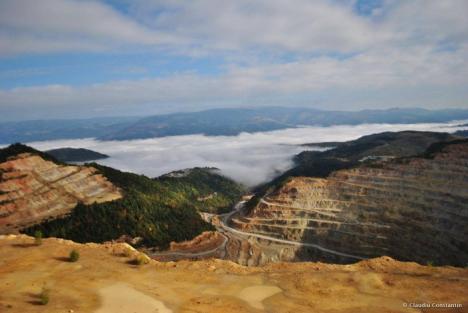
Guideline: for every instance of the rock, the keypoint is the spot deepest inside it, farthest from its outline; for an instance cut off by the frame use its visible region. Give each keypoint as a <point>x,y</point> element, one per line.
<point>33,189</point>
<point>410,209</point>
<point>377,285</point>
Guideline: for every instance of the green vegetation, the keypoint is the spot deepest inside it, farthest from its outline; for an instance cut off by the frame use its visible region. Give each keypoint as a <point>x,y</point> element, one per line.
<point>348,154</point>
<point>140,259</point>
<point>75,154</point>
<point>439,146</point>
<point>398,144</point>
<point>127,252</point>
<point>157,210</point>
<point>44,296</point>
<point>38,237</point>
<point>205,188</point>
<point>18,148</point>
<point>74,256</point>
<point>461,133</point>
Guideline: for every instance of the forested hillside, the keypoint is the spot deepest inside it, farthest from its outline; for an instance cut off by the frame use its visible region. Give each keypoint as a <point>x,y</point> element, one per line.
<point>76,154</point>
<point>343,155</point>
<point>158,210</point>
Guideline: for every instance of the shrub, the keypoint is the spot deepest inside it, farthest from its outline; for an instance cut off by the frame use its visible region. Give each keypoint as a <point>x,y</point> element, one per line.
<point>38,237</point>
<point>44,296</point>
<point>74,256</point>
<point>127,252</point>
<point>140,259</point>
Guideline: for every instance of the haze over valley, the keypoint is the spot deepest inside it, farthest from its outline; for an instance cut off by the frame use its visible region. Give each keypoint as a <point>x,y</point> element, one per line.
<point>249,158</point>
<point>242,156</point>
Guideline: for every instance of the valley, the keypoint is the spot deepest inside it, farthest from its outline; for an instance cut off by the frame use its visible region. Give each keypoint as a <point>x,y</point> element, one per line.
<point>93,203</point>
<point>195,241</point>
<point>341,205</point>
<point>214,122</point>
<point>390,207</point>
<point>205,156</point>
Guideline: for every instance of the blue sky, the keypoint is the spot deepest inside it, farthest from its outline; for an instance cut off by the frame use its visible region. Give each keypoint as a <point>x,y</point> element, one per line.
<point>80,69</point>
<point>73,58</point>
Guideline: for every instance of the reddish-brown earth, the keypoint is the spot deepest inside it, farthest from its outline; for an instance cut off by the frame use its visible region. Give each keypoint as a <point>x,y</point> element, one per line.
<point>104,280</point>
<point>209,244</point>
<point>411,209</point>
<point>204,241</point>
<point>33,189</point>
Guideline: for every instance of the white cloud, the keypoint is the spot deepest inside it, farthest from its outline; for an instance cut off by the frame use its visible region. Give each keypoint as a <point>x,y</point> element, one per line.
<point>72,25</point>
<point>416,72</point>
<point>302,25</point>
<point>247,158</point>
<point>428,21</point>
<point>68,25</point>
<point>334,57</point>
<point>265,25</point>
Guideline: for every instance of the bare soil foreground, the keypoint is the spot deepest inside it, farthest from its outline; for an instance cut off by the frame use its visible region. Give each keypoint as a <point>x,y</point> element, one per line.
<point>106,280</point>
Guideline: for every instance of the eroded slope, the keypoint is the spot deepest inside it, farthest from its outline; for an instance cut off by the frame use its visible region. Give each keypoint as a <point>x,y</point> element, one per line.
<point>33,189</point>
<point>103,281</point>
<point>411,209</point>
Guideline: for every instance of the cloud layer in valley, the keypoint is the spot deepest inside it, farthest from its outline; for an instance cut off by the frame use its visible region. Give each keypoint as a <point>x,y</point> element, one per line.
<point>69,58</point>
<point>247,158</point>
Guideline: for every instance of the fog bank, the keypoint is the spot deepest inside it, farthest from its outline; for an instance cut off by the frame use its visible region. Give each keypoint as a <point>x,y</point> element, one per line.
<point>247,158</point>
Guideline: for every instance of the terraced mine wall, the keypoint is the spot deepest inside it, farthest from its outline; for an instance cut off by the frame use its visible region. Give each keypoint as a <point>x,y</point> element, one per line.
<point>256,252</point>
<point>33,189</point>
<point>410,209</point>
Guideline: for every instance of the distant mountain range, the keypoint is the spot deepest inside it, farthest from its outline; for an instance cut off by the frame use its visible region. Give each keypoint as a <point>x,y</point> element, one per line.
<point>39,130</point>
<point>215,122</point>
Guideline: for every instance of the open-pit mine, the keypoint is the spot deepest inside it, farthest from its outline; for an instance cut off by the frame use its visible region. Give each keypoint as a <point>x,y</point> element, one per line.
<point>410,208</point>
<point>33,189</point>
<point>364,217</point>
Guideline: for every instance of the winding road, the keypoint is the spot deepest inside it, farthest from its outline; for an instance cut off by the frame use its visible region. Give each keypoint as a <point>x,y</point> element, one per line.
<point>224,227</point>
<point>193,254</point>
<point>225,221</point>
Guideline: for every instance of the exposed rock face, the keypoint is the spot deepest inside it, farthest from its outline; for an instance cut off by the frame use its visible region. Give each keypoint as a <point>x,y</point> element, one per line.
<point>33,189</point>
<point>410,209</point>
<point>207,245</point>
<point>257,252</point>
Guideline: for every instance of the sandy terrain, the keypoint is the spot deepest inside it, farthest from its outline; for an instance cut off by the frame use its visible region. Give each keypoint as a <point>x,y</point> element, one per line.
<point>103,281</point>
<point>121,298</point>
<point>255,295</point>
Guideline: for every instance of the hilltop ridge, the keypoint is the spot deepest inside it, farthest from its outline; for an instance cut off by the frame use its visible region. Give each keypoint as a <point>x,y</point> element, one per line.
<point>76,154</point>
<point>33,189</point>
<point>214,122</point>
<point>104,280</point>
<point>94,203</point>
<point>410,208</point>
